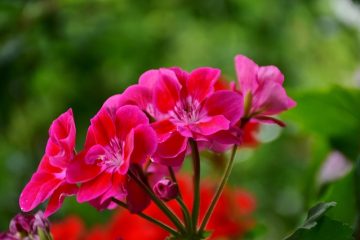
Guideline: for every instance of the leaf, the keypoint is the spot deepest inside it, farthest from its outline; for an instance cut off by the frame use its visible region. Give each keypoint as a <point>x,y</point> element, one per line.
<point>333,114</point>
<point>318,226</point>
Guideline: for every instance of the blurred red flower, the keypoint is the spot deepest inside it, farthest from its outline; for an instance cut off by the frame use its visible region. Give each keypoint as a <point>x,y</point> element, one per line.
<point>231,218</point>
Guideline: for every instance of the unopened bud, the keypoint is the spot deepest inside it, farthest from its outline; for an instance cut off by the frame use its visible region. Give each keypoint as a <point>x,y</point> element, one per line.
<point>165,189</point>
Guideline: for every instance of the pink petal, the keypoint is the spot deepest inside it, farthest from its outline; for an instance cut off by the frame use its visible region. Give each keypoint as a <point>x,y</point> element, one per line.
<point>79,171</point>
<point>137,199</point>
<point>149,78</point>
<point>45,166</point>
<point>145,143</point>
<point>62,140</point>
<point>166,90</point>
<point>175,161</point>
<point>201,82</point>
<point>138,95</point>
<point>117,189</point>
<point>269,74</point>
<point>271,98</point>
<point>246,71</point>
<point>211,125</point>
<point>113,102</point>
<point>172,147</point>
<point>103,128</point>
<point>127,118</point>
<point>227,103</point>
<point>40,187</point>
<point>163,129</point>
<point>94,188</point>
<point>58,197</point>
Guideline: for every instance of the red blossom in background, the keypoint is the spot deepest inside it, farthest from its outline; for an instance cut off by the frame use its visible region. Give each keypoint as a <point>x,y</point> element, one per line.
<point>232,218</point>
<point>49,181</point>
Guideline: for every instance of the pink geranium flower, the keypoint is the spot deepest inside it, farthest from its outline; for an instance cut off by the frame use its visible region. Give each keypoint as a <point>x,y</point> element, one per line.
<point>49,181</point>
<point>262,90</point>
<point>183,105</point>
<point>116,140</point>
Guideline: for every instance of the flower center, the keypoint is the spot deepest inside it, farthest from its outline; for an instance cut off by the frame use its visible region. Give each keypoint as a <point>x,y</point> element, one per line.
<point>186,111</point>
<point>112,160</point>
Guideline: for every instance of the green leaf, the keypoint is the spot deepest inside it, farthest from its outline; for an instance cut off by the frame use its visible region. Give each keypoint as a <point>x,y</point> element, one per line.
<point>318,226</point>
<point>331,113</point>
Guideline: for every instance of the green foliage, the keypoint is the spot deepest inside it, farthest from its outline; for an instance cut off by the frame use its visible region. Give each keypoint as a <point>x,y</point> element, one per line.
<point>320,227</point>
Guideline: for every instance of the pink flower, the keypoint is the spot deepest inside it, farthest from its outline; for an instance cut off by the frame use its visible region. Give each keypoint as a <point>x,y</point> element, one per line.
<point>183,105</point>
<point>49,181</point>
<point>262,90</point>
<point>116,142</point>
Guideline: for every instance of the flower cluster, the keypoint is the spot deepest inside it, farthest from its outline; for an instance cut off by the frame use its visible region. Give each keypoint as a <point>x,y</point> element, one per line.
<point>231,219</point>
<point>138,140</point>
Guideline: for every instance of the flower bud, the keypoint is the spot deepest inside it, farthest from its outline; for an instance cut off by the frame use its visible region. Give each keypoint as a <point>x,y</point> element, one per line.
<point>165,189</point>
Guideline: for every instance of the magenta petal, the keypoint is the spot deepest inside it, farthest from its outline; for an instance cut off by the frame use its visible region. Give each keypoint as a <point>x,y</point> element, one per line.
<point>271,98</point>
<point>40,187</point>
<point>137,199</point>
<point>102,127</point>
<point>127,118</point>
<point>201,82</point>
<point>79,171</point>
<point>94,188</point>
<point>227,103</point>
<point>211,125</point>
<point>246,71</point>
<point>269,74</point>
<point>145,143</point>
<point>149,78</point>
<point>117,189</point>
<point>113,102</point>
<point>138,95</point>
<point>58,197</point>
<point>175,161</point>
<point>45,166</point>
<point>163,129</point>
<point>166,91</point>
<point>172,147</point>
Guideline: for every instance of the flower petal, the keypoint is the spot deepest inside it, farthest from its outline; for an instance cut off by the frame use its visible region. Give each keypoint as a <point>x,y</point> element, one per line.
<point>211,125</point>
<point>227,103</point>
<point>137,199</point>
<point>145,143</point>
<point>102,127</point>
<point>201,82</point>
<point>127,118</point>
<point>163,129</point>
<point>166,90</point>
<point>40,187</point>
<point>246,71</point>
<point>269,74</point>
<point>172,147</point>
<point>117,189</point>
<point>94,188</point>
<point>79,171</point>
<point>58,197</point>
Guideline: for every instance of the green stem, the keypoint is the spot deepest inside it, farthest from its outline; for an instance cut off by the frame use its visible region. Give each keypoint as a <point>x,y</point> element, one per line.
<point>148,218</point>
<point>196,165</point>
<point>159,203</point>
<point>219,189</point>
<point>180,200</point>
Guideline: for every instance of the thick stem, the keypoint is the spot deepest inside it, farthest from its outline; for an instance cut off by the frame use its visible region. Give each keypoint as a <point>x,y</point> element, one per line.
<point>158,202</point>
<point>196,165</point>
<point>219,189</point>
<point>148,218</point>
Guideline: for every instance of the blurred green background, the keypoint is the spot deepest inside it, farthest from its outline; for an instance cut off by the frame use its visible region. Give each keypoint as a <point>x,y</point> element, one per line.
<point>56,54</point>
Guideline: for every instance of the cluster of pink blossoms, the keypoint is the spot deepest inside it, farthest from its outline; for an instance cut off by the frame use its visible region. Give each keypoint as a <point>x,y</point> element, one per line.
<point>140,137</point>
